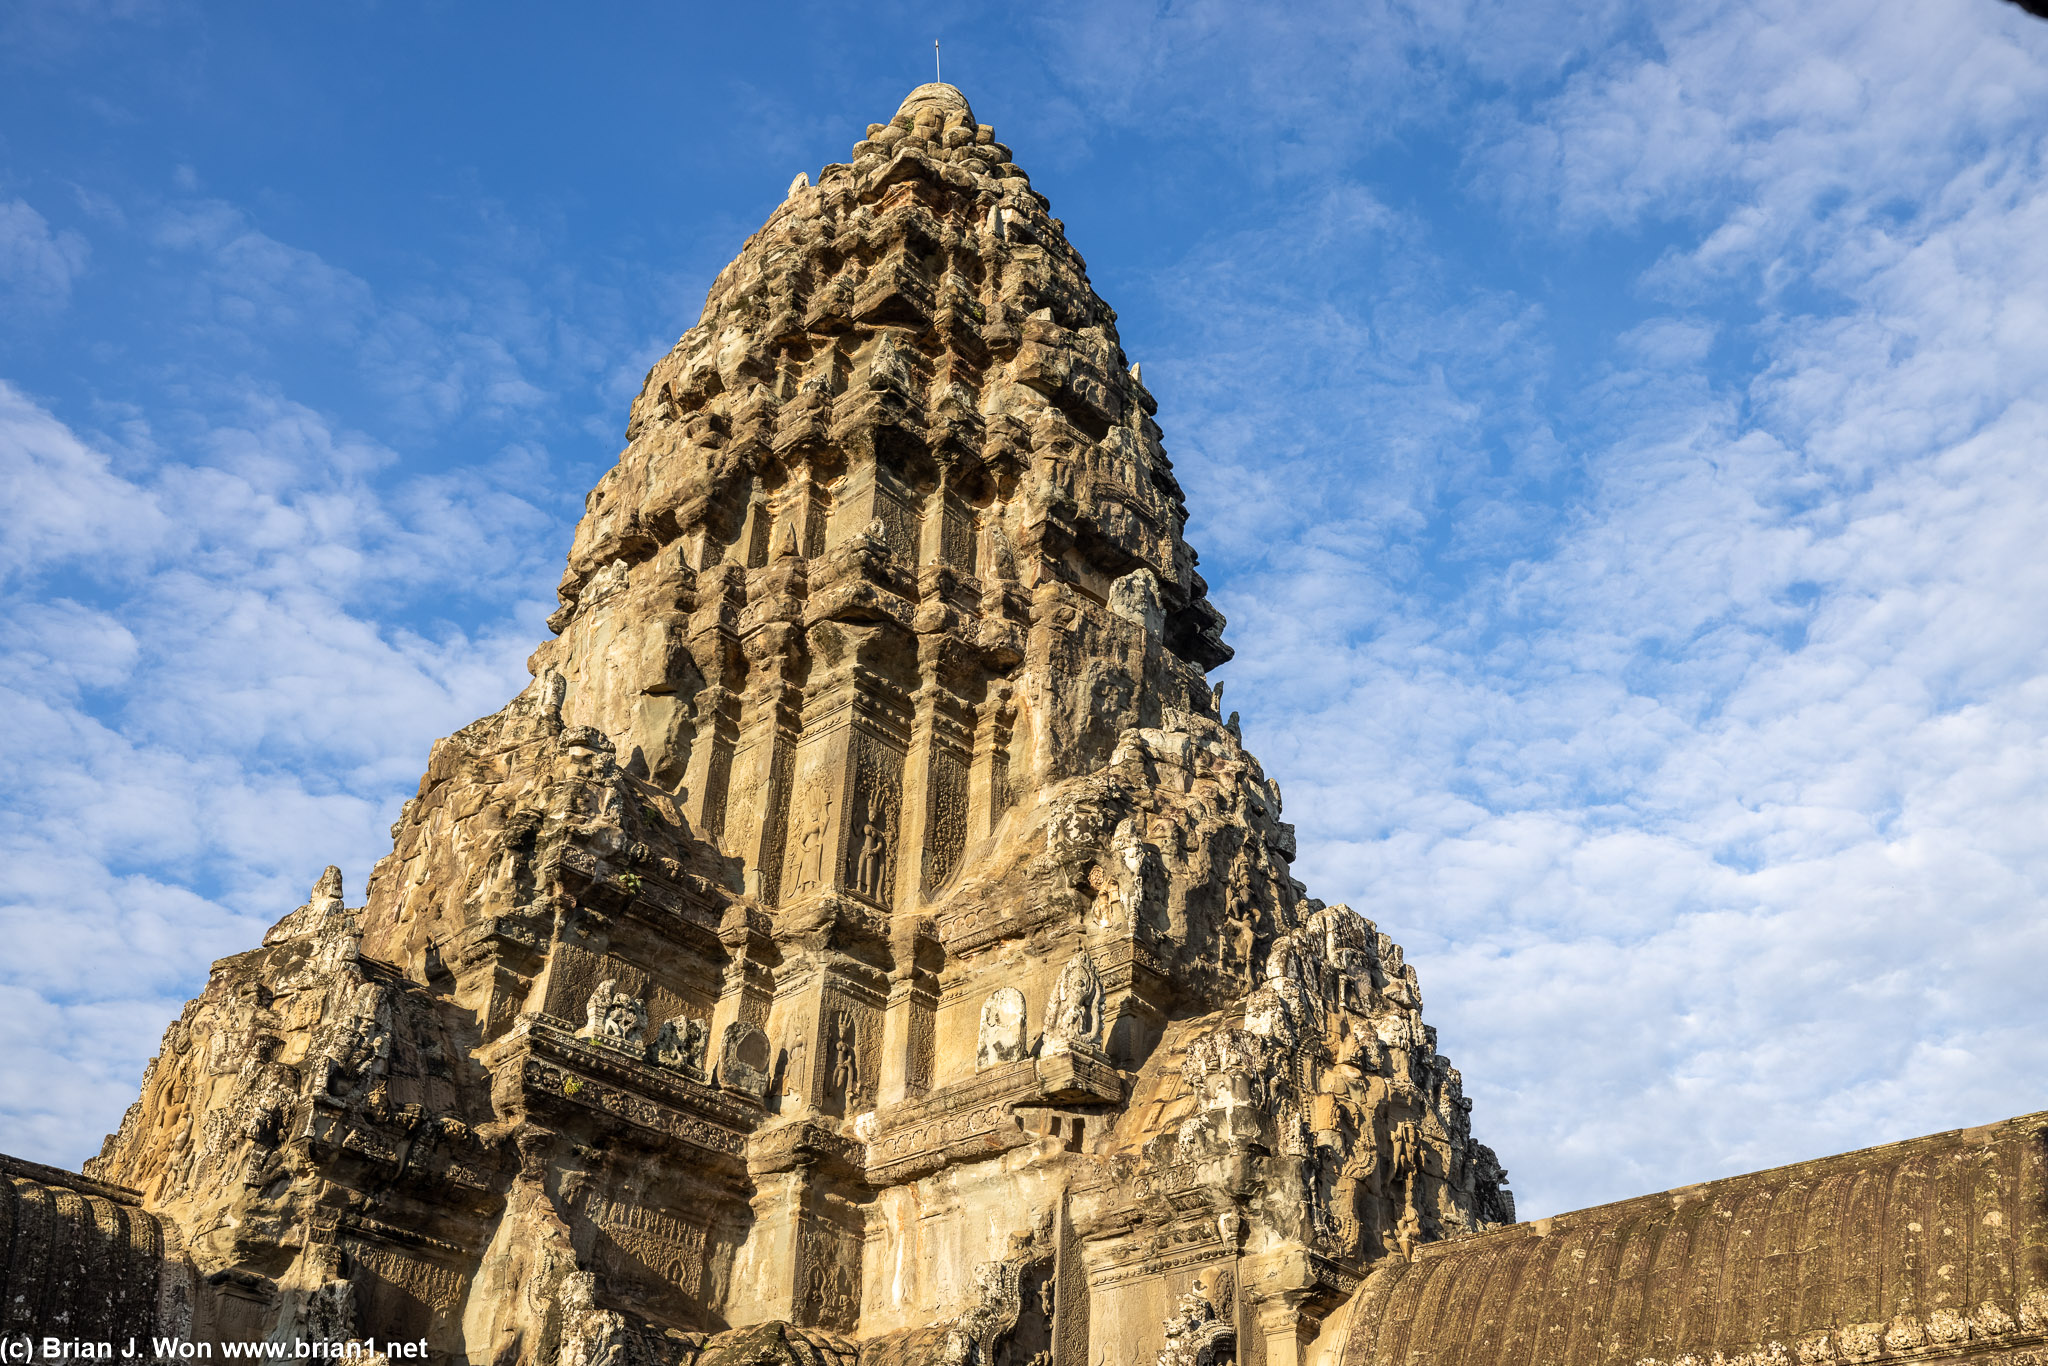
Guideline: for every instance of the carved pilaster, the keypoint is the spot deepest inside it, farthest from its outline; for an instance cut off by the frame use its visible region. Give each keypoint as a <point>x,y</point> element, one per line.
<point>755,534</point>
<point>1070,1294</point>
<point>748,989</point>
<point>801,1262</point>
<point>935,777</point>
<point>1279,1289</point>
<point>758,824</point>
<point>809,513</point>
<point>847,795</point>
<point>910,1021</point>
<point>715,646</point>
<point>872,494</point>
<point>757,810</point>
<point>988,787</point>
<point>1137,992</point>
<point>828,1020</point>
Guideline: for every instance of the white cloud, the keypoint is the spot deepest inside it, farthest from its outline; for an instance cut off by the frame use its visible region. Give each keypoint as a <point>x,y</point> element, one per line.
<point>1294,91</point>
<point>58,497</point>
<point>1712,814</point>
<point>220,705</point>
<point>37,266</point>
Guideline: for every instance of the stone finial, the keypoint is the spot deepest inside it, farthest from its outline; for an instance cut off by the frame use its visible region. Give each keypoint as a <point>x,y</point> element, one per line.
<point>328,888</point>
<point>946,99</point>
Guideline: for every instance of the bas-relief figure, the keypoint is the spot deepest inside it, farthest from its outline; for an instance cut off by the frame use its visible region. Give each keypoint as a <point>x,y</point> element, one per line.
<point>887,605</point>
<point>874,850</point>
<point>1002,1037</point>
<point>1073,1014</point>
<point>615,1018</point>
<point>681,1044</point>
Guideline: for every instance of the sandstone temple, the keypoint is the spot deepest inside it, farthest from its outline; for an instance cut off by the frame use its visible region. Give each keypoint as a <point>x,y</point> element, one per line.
<point>868,942</point>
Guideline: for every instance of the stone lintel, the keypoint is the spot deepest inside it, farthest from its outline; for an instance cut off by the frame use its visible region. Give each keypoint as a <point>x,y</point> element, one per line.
<point>829,919</point>
<point>554,1042</point>
<point>1078,1075</point>
<point>808,1144</point>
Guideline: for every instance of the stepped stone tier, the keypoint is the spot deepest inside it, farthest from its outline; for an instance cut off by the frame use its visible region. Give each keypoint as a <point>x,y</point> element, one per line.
<point>867,941</point>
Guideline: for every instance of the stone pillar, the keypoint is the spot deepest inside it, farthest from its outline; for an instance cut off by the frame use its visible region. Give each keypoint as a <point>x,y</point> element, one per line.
<point>793,1030</point>
<point>848,773</point>
<point>909,1024</point>
<point>715,646</point>
<point>988,784</point>
<point>935,775</point>
<point>801,1261</point>
<point>754,546</point>
<point>871,495</point>
<point>821,825</point>
<point>758,806</point>
<point>748,990</point>
<point>946,530</point>
<point>851,1034</point>
<point>764,1283</point>
<point>1137,989</point>
<point>810,511</point>
<point>1278,1287</point>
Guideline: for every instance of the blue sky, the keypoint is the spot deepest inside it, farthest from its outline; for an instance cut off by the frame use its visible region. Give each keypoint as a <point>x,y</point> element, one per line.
<point>1614,433</point>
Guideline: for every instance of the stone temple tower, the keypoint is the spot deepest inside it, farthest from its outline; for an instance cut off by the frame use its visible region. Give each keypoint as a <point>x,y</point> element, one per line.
<point>865,943</point>
<point>864,935</point>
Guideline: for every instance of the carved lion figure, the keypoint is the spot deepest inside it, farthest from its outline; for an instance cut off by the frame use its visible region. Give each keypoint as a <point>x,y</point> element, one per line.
<point>613,1017</point>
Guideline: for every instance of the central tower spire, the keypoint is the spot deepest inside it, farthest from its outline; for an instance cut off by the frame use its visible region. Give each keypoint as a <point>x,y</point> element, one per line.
<point>863,938</point>
<point>929,536</point>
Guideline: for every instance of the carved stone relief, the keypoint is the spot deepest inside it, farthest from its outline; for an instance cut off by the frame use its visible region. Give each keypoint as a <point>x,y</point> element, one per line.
<point>946,828</point>
<point>743,1060</point>
<point>1003,1038</point>
<point>828,1277</point>
<point>848,1078</point>
<point>1198,1333</point>
<point>681,1045</point>
<point>875,820</point>
<point>871,862</point>
<point>615,1018</point>
<point>813,840</point>
<point>1073,1014</point>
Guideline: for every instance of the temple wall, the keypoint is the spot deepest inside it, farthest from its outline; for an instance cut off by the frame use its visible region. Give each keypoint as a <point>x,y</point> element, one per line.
<point>1931,1249</point>
<point>81,1260</point>
<point>927,1238</point>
